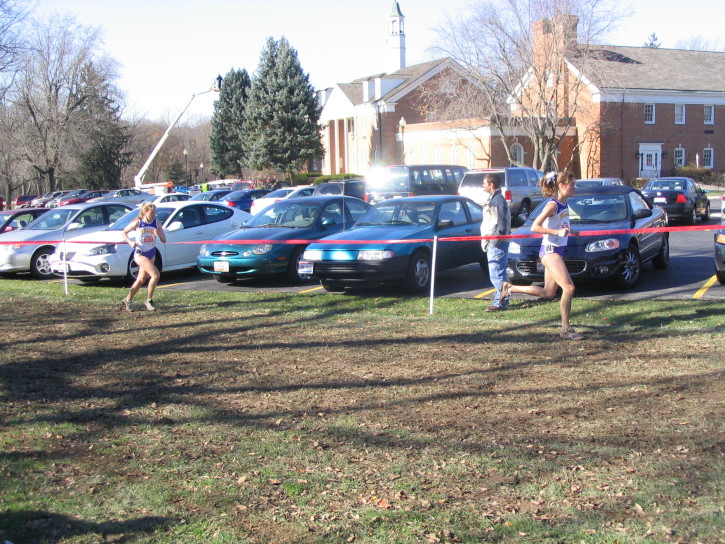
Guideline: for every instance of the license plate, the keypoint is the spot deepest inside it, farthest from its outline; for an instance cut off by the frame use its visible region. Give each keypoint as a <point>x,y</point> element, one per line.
<point>660,200</point>
<point>221,266</point>
<point>304,268</point>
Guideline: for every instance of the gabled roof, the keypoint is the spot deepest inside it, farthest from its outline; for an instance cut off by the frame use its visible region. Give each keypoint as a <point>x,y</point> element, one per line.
<point>406,78</point>
<point>645,68</point>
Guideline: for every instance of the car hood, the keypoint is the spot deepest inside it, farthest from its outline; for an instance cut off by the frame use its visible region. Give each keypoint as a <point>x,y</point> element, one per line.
<point>39,235</point>
<point>101,236</point>
<point>381,233</point>
<point>269,233</point>
<point>578,228</point>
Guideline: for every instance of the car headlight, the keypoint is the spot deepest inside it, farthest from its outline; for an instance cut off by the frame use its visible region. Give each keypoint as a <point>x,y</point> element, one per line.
<point>720,239</point>
<point>105,249</point>
<point>312,255</point>
<point>375,254</point>
<point>202,250</point>
<point>514,247</point>
<point>602,245</point>
<point>261,249</point>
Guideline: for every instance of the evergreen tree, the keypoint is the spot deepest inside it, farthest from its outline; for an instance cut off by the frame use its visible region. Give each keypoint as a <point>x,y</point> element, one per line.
<point>281,125</point>
<point>652,42</point>
<point>227,134</point>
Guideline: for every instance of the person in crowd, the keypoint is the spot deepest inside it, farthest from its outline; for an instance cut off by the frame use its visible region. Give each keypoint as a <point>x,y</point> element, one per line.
<point>148,229</point>
<point>496,221</point>
<point>553,223</point>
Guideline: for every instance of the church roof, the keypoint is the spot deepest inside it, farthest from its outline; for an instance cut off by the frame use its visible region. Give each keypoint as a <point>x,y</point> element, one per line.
<point>396,10</point>
<point>646,68</point>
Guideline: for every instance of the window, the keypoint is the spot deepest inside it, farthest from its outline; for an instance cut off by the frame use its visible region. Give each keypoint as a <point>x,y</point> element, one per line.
<point>517,154</point>
<point>708,158</point>
<point>678,158</point>
<point>679,114</point>
<point>649,114</point>
<point>709,115</point>
<point>470,158</point>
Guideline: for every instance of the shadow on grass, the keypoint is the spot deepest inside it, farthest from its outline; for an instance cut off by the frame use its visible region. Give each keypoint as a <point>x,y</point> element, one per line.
<point>41,527</point>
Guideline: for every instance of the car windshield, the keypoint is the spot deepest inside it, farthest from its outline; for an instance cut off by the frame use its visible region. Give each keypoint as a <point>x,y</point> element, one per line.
<point>592,208</point>
<point>665,185</point>
<point>286,214</point>
<point>589,183</point>
<point>51,220</point>
<point>279,193</point>
<point>395,212</point>
<point>162,214</point>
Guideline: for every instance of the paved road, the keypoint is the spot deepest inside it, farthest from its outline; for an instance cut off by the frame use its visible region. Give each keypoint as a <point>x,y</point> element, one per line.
<point>690,275</point>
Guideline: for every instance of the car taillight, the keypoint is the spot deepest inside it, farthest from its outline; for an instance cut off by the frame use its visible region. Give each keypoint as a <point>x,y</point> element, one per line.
<point>681,199</point>
<point>229,203</point>
<point>366,197</point>
<point>411,194</point>
<point>508,196</point>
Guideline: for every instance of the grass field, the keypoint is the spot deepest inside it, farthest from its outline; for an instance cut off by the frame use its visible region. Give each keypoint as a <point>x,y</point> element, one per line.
<point>257,418</point>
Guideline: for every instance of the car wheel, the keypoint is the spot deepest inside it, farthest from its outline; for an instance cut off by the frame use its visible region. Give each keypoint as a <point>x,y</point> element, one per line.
<point>40,265</point>
<point>691,217</point>
<point>224,278</point>
<point>417,277</point>
<point>132,270</point>
<point>294,261</point>
<point>628,274</point>
<point>662,259</point>
<point>706,215</point>
<point>720,274</point>
<point>524,212</point>
<point>333,286</point>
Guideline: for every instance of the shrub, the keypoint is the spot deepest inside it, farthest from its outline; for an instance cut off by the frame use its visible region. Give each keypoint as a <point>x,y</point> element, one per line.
<point>701,175</point>
<point>335,177</point>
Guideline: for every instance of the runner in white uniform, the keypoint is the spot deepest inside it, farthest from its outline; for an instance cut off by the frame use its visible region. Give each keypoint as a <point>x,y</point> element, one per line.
<point>553,223</point>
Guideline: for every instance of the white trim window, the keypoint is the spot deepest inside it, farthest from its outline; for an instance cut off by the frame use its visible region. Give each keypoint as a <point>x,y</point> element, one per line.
<point>708,157</point>
<point>678,157</point>
<point>709,114</point>
<point>470,158</point>
<point>649,114</point>
<point>679,114</point>
<point>517,153</point>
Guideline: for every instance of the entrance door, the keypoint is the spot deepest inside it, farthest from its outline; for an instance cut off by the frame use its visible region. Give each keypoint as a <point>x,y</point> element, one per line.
<point>650,163</point>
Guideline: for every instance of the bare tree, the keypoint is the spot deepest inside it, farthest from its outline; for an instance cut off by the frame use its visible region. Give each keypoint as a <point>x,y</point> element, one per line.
<point>518,54</point>
<point>12,15</point>
<point>54,92</point>
<point>700,43</point>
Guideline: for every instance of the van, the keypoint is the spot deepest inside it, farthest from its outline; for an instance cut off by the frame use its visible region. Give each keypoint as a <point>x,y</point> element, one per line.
<point>384,182</point>
<point>519,185</point>
<point>348,187</point>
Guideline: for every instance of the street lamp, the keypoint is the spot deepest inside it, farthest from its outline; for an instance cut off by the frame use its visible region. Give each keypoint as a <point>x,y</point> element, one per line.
<point>201,170</point>
<point>401,125</point>
<point>186,165</point>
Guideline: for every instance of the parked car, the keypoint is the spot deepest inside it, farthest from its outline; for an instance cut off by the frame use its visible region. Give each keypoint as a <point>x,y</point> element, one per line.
<point>243,199</point>
<point>280,194</point>
<point>208,196</point>
<point>615,256</point>
<point>597,182</point>
<point>38,240</point>
<point>366,253</point>
<point>53,202</point>
<point>111,257</point>
<point>720,248</point>
<point>348,187</point>
<point>19,218</point>
<point>42,200</point>
<point>131,196</point>
<point>241,185</point>
<point>228,258</point>
<point>395,181</point>
<point>168,197</point>
<point>23,201</point>
<point>681,198</point>
<point>519,185</point>
<point>81,197</point>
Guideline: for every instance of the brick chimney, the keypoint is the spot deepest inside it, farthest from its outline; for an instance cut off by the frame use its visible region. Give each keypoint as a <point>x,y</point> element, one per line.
<point>556,34</point>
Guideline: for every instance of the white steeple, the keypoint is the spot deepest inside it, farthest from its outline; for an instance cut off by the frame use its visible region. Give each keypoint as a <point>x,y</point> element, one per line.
<point>396,40</point>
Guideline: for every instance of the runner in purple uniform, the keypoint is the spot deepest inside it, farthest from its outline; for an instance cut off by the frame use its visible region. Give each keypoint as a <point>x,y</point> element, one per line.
<point>144,252</point>
<point>553,223</point>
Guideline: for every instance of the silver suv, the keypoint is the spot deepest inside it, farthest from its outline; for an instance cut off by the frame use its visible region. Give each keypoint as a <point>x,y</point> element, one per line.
<point>519,185</point>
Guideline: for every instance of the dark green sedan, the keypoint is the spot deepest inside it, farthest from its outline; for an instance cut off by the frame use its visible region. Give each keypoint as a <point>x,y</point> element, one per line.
<point>273,241</point>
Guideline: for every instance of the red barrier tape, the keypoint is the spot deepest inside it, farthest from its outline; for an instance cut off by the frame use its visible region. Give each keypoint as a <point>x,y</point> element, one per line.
<point>397,241</point>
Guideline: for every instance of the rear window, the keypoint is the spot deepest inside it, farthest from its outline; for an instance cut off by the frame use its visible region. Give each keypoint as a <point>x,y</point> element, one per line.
<point>387,179</point>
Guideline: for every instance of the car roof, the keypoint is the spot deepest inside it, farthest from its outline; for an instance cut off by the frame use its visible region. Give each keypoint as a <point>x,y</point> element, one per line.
<point>427,198</point>
<point>84,205</point>
<point>22,210</point>
<point>498,169</point>
<point>605,190</point>
<point>321,199</point>
<point>184,203</point>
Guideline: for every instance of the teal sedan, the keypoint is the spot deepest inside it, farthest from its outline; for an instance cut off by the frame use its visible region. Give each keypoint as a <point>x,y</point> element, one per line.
<point>393,243</point>
<point>272,242</point>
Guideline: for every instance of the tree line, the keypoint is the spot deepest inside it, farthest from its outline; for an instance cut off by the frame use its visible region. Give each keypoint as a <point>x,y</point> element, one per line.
<point>64,124</point>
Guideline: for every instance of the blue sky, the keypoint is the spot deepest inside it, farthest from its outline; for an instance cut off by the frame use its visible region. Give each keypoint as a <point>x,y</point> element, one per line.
<point>171,49</point>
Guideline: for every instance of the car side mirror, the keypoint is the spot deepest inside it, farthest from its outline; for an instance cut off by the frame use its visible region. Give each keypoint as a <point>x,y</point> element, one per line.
<point>74,226</point>
<point>175,225</point>
<point>445,223</point>
<point>327,222</point>
<point>641,214</point>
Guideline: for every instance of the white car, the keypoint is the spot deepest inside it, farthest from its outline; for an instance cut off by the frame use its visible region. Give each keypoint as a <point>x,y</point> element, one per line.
<point>281,194</point>
<point>168,197</point>
<point>38,240</point>
<point>105,254</point>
